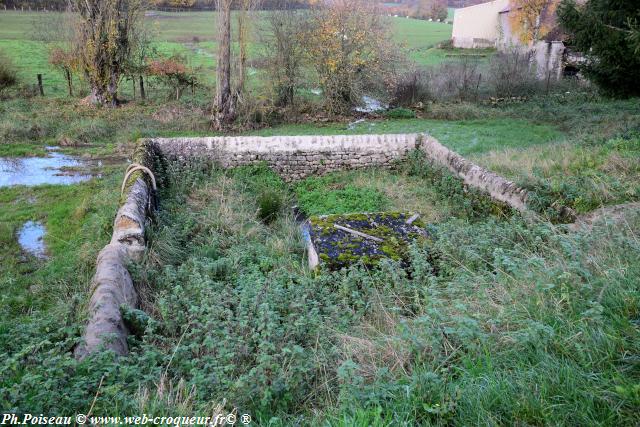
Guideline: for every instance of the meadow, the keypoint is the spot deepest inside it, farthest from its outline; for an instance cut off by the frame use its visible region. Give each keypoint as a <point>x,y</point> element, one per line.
<point>498,320</point>
<point>25,39</point>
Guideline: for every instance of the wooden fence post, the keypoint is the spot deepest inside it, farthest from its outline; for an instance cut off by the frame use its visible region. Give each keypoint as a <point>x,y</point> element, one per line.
<point>142,93</point>
<point>40,88</point>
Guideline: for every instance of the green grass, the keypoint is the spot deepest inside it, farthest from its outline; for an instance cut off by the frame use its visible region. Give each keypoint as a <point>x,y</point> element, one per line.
<point>420,38</point>
<point>76,218</point>
<point>31,58</point>
<point>190,34</point>
<point>419,34</point>
<point>465,137</point>
<point>332,195</point>
<point>496,319</point>
<point>184,26</point>
<point>581,176</point>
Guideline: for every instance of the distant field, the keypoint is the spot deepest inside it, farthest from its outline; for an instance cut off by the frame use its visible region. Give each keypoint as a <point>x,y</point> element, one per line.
<point>190,34</point>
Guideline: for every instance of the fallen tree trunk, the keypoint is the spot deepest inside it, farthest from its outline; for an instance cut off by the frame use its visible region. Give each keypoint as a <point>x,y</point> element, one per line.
<point>112,286</point>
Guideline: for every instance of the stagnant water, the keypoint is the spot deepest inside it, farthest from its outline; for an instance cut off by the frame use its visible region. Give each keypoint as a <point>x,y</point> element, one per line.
<point>31,239</point>
<point>32,171</point>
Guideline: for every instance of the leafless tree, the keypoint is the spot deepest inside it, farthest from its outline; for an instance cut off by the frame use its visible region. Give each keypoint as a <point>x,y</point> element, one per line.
<point>225,101</point>
<point>285,51</point>
<point>103,43</point>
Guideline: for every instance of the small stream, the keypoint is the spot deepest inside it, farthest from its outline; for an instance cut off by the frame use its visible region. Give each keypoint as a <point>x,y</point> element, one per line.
<point>371,105</point>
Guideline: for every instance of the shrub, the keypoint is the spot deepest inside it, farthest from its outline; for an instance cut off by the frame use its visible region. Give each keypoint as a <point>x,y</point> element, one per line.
<point>66,62</point>
<point>8,73</point>
<point>400,113</point>
<point>269,205</point>
<point>173,72</point>
<point>456,80</point>
<point>511,74</point>
<point>349,45</point>
<point>410,89</point>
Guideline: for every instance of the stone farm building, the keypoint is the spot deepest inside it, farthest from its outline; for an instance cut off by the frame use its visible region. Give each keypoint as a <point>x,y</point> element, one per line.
<point>487,25</point>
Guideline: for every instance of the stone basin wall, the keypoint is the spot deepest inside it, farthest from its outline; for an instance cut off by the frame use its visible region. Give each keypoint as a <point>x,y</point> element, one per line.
<point>293,157</point>
<point>296,157</point>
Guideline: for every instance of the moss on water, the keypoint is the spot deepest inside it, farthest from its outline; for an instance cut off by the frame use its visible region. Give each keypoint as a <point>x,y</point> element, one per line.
<point>338,248</point>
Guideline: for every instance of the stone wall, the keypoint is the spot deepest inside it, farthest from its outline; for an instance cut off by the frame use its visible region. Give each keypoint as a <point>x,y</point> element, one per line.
<point>496,186</point>
<point>292,157</point>
<point>295,157</point>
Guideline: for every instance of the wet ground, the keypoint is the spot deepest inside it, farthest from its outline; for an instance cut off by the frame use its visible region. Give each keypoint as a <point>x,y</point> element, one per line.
<point>31,239</point>
<point>55,168</point>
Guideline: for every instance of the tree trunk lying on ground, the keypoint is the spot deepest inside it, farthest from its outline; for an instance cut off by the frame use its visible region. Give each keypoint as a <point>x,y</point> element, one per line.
<point>112,285</point>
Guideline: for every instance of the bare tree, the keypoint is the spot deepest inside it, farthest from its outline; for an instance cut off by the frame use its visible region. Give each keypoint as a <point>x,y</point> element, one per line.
<point>243,33</point>
<point>142,53</point>
<point>103,43</point>
<point>228,95</point>
<point>225,101</point>
<point>285,52</point>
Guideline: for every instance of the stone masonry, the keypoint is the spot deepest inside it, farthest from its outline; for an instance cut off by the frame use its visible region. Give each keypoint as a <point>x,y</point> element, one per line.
<point>293,157</point>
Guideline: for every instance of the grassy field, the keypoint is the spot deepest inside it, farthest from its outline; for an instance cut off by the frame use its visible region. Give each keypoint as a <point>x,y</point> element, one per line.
<point>189,34</point>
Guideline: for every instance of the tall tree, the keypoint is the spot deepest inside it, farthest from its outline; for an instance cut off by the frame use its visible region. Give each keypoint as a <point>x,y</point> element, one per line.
<point>606,32</point>
<point>103,43</point>
<point>285,54</point>
<point>228,94</point>
<point>225,101</point>
<point>243,34</point>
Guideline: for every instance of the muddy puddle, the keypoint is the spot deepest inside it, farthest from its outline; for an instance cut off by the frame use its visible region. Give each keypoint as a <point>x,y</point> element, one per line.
<point>31,239</point>
<point>55,168</point>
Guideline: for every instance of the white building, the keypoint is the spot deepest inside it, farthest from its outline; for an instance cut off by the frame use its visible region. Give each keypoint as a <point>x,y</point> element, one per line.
<point>478,26</point>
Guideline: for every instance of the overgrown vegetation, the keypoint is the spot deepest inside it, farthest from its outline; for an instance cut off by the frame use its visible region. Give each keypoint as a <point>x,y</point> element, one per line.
<point>495,319</point>
<point>235,315</point>
<point>8,75</point>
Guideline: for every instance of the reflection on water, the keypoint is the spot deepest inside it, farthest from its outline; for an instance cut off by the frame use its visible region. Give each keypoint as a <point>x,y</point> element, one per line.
<point>30,238</point>
<point>32,171</point>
